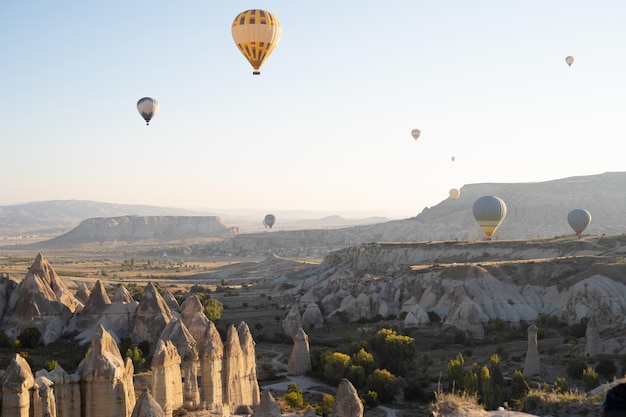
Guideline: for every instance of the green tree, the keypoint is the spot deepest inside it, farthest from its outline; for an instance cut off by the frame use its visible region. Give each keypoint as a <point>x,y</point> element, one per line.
<point>213,309</point>
<point>519,385</point>
<point>394,352</point>
<point>455,373</point>
<point>293,398</point>
<point>590,379</point>
<point>335,367</point>
<point>356,375</point>
<point>370,399</point>
<point>30,337</point>
<point>385,384</point>
<point>136,355</point>
<point>364,359</point>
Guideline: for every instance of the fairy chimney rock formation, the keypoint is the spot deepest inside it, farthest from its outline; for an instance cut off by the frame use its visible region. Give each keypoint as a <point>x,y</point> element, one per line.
<point>293,321</point>
<point>347,401</point>
<point>167,384</point>
<point>16,383</point>
<point>250,384</point>
<point>66,391</point>
<point>50,304</point>
<point>94,307</point>
<point>192,313</point>
<point>531,365</point>
<point>593,346</point>
<point>186,346</point>
<point>106,379</point>
<point>233,370</point>
<point>312,316</point>
<point>151,316</point>
<point>82,293</point>
<point>300,359</point>
<point>146,406</point>
<point>122,295</point>
<point>43,403</point>
<point>211,352</point>
<point>268,407</point>
<point>170,300</point>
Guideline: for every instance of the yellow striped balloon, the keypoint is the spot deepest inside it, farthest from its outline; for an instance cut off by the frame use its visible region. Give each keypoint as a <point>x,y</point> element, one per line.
<point>489,211</point>
<point>256,33</point>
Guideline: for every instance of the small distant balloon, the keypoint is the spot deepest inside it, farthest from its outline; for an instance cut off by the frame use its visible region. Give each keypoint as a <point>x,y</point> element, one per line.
<point>416,133</point>
<point>454,193</point>
<point>453,159</point>
<point>578,220</point>
<point>147,107</point>
<point>269,220</point>
<point>569,60</point>
<point>187,251</point>
<point>489,212</point>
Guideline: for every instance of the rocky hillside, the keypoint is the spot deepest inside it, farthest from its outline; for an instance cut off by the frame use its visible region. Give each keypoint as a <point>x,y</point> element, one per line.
<point>135,229</point>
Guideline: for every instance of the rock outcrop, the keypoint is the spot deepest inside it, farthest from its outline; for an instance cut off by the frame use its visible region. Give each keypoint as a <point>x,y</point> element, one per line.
<point>146,406</point>
<point>268,407</point>
<point>16,384</point>
<point>300,359</point>
<point>192,313</point>
<point>531,364</point>
<point>347,402</point>
<point>211,353</point>
<point>167,384</point>
<point>150,318</point>
<point>293,321</point>
<point>66,391</point>
<point>106,379</point>
<point>250,385</point>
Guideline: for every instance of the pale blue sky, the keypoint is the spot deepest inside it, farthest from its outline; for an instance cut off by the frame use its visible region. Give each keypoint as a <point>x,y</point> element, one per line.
<point>326,126</point>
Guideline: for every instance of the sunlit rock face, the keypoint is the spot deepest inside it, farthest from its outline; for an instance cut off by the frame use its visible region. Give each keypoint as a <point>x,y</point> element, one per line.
<point>211,353</point>
<point>16,384</point>
<point>82,293</point>
<point>300,359</point>
<point>234,370</point>
<point>122,295</point>
<point>40,300</point>
<point>186,346</point>
<point>96,303</point>
<point>250,385</point>
<point>347,402</point>
<point>167,385</point>
<point>150,318</point>
<point>43,403</point>
<point>192,313</point>
<point>66,391</point>
<point>170,300</point>
<point>106,379</point>
<point>146,406</point>
<point>268,407</point>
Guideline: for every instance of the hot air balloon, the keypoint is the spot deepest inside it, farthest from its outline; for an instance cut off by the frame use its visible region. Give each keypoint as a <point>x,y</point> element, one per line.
<point>489,211</point>
<point>569,60</point>
<point>578,220</point>
<point>269,220</point>
<point>256,32</point>
<point>147,107</point>
<point>416,133</point>
<point>454,193</point>
<point>453,159</point>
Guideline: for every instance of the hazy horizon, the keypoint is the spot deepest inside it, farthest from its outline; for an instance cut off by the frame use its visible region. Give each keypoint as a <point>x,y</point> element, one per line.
<point>327,125</point>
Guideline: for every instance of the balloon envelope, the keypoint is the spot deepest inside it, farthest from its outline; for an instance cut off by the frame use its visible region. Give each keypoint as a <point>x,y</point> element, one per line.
<point>454,193</point>
<point>569,60</point>
<point>578,220</point>
<point>489,211</point>
<point>416,133</point>
<point>256,33</point>
<point>269,220</point>
<point>147,108</point>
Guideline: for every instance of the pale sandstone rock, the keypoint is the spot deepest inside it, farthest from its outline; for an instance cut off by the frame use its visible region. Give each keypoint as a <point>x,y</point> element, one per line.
<point>293,321</point>
<point>92,311</point>
<point>42,268</point>
<point>186,346</point>
<point>82,293</point>
<point>66,391</point>
<point>233,370</point>
<point>468,317</point>
<point>122,295</point>
<point>312,316</point>
<point>146,406</point>
<point>250,385</point>
<point>16,383</point>
<point>170,300</point>
<point>167,384</point>
<point>593,346</point>
<point>43,403</point>
<point>347,402</point>
<point>300,359</point>
<point>106,379</point>
<point>531,364</point>
<point>192,313</point>
<point>268,407</point>
<point>150,318</point>
<point>211,352</point>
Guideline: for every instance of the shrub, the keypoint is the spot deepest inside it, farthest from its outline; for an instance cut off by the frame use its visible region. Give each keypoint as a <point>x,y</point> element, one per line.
<point>371,399</point>
<point>575,369</point>
<point>606,367</point>
<point>50,365</point>
<point>590,379</point>
<point>29,337</point>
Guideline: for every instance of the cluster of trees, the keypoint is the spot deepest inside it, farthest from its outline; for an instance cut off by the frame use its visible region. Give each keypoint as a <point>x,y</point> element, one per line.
<point>375,365</point>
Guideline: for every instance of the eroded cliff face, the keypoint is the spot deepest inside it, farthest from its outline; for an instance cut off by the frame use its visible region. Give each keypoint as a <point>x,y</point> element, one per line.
<point>468,284</point>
